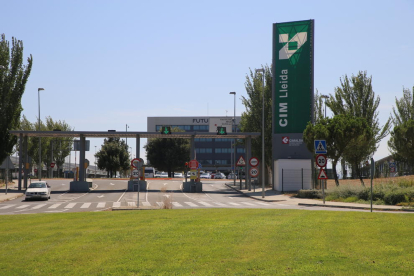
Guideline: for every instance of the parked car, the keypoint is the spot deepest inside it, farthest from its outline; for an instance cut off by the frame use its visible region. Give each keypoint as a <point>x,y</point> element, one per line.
<point>179,175</point>
<point>205,176</point>
<point>231,176</point>
<point>161,175</point>
<point>38,190</point>
<point>219,176</point>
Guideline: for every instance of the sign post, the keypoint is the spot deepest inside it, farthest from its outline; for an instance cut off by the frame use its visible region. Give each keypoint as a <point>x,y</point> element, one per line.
<point>321,161</point>
<point>372,177</point>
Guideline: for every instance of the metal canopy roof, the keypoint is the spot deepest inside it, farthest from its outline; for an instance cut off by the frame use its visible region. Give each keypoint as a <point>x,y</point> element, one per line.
<point>132,134</point>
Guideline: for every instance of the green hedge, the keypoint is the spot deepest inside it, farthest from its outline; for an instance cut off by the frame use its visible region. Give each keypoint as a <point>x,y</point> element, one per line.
<point>390,194</point>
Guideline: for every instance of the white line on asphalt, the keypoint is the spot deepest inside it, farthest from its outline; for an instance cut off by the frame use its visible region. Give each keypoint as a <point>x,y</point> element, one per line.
<point>116,204</point>
<point>146,203</point>
<point>121,196</point>
<point>248,203</point>
<point>86,205</point>
<point>55,206</point>
<point>235,204</point>
<point>38,206</point>
<point>176,204</point>
<point>22,206</point>
<point>101,205</point>
<point>70,205</point>
<point>205,203</point>
<point>7,206</point>
<point>132,204</point>
<point>191,204</point>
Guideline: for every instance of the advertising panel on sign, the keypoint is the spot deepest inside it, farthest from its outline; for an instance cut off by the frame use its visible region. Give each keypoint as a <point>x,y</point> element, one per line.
<point>292,75</point>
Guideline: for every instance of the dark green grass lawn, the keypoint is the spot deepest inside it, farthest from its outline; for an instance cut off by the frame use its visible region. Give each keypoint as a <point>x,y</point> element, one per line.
<point>208,242</point>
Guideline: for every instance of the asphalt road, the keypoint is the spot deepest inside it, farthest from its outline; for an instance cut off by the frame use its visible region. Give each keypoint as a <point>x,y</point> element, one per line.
<point>111,193</point>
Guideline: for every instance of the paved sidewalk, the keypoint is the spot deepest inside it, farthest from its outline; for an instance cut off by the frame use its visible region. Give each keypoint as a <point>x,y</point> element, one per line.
<point>275,196</point>
<point>12,192</point>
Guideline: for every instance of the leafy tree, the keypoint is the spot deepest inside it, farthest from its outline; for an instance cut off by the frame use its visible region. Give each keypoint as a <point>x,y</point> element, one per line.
<point>356,97</point>
<point>251,119</point>
<point>168,154</point>
<point>401,143</point>
<point>318,107</point>
<point>341,133</point>
<point>61,146</point>
<point>404,110</point>
<point>13,79</point>
<point>113,156</point>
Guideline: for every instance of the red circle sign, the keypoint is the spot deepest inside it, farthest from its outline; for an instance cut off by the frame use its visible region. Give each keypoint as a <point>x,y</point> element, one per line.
<point>254,162</point>
<point>254,172</point>
<point>321,160</point>
<point>52,165</point>
<point>193,164</point>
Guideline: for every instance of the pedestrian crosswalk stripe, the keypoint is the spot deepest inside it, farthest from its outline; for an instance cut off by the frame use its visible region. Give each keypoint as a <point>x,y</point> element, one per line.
<point>176,204</point>
<point>70,205</point>
<point>54,206</point>
<point>7,206</point>
<point>132,204</point>
<point>38,206</point>
<point>248,203</point>
<point>101,205</point>
<point>235,204</point>
<point>262,203</point>
<point>146,203</point>
<point>161,204</point>
<point>116,204</point>
<point>220,204</point>
<point>23,206</point>
<point>86,205</point>
<point>191,204</point>
<point>205,204</point>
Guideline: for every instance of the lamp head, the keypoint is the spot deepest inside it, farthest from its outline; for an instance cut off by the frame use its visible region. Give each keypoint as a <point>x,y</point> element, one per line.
<point>40,89</point>
<point>233,93</point>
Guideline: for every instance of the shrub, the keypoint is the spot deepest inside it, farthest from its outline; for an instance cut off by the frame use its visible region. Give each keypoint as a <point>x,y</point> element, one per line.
<point>394,197</point>
<point>309,194</point>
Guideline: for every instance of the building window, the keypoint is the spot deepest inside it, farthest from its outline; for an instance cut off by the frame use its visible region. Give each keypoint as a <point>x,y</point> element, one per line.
<point>241,150</point>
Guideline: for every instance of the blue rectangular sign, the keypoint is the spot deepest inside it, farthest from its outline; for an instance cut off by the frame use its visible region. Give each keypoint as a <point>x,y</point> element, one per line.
<point>320,147</point>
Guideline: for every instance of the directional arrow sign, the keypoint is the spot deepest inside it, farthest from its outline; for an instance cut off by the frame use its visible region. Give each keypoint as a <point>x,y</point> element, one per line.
<point>322,175</point>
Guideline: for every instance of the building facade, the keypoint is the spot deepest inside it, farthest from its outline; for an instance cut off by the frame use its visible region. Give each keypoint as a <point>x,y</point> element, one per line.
<point>213,153</point>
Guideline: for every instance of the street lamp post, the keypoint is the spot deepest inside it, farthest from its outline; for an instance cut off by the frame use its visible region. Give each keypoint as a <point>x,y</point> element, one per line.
<point>95,162</point>
<point>40,138</point>
<point>234,140</point>
<point>263,131</point>
<point>325,97</point>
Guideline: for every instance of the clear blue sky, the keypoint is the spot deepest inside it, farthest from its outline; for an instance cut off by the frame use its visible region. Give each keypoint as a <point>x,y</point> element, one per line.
<point>105,64</point>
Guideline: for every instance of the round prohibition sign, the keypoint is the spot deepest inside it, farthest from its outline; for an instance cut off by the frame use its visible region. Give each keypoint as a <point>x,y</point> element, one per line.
<point>321,160</point>
<point>254,172</point>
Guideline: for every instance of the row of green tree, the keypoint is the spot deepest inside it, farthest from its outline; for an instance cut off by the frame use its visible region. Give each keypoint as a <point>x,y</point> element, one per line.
<point>353,132</point>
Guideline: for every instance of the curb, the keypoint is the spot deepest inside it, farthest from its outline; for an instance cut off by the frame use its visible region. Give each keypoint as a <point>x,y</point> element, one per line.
<point>356,207</point>
<point>260,199</point>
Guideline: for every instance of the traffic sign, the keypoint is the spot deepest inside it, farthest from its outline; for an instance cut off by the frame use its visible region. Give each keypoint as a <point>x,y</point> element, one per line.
<point>135,173</point>
<point>254,162</point>
<point>320,147</point>
<point>137,163</point>
<point>165,130</point>
<point>52,165</point>
<point>321,160</point>
<point>241,162</point>
<point>322,175</point>
<point>193,164</point>
<point>193,174</point>
<point>35,170</point>
<point>254,172</point>
<point>221,130</point>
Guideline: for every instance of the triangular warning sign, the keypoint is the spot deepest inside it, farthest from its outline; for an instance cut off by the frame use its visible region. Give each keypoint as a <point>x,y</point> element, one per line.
<point>241,162</point>
<point>322,175</point>
<point>320,147</point>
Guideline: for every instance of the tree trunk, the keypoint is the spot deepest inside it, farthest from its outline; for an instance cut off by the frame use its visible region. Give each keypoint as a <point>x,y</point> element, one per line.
<point>334,163</point>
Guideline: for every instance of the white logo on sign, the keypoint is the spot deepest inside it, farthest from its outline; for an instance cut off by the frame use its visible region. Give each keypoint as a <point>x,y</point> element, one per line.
<point>241,161</point>
<point>285,140</point>
<point>299,39</point>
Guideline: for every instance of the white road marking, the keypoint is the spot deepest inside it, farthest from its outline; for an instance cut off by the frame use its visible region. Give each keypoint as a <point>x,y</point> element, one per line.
<point>191,204</point>
<point>248,203</point>
<point>161,204</point>
<point>55,206</point>
<point>112,183</point>
<point>132,204</point>
<point>262,203</point>
<point>176,204</point>
<point>86,205</point>
<point>7,206</point>
<point>121,197</point>
<point>101,196</point>
<point>38,206</point>
<point>23,206</point>
<point>146,203</point>
<point>101,205</point>
<point>70,205</point>
<point>205,203</point>
<point>220,204</point>
<point>235,204</point>
<point>116,204</point>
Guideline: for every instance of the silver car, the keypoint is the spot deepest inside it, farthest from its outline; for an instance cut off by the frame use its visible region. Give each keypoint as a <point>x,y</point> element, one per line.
<point>38,190</point>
